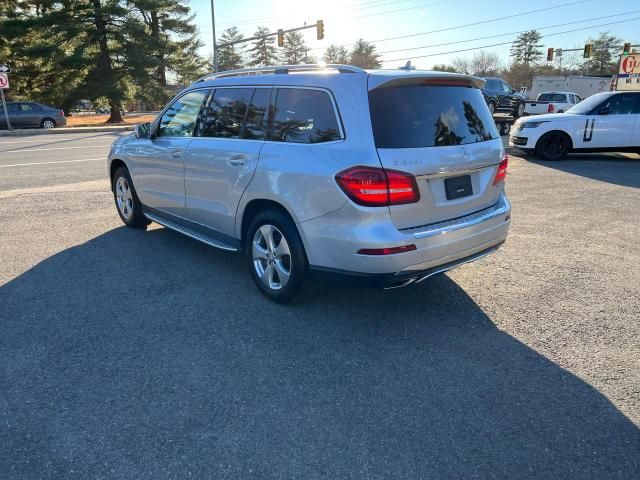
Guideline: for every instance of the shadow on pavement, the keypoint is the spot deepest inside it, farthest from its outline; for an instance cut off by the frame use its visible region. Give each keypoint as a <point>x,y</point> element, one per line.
<point>611,167</point>
<point>148,355</point>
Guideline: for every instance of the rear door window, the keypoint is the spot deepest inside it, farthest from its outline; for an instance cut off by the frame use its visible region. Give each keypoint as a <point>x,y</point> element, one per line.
<point>225,113</point>
<point>304,116</point>
<point>415,116</point>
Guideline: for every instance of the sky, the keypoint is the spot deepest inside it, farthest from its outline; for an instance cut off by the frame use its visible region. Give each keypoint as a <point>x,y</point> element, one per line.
<point>428,23</point>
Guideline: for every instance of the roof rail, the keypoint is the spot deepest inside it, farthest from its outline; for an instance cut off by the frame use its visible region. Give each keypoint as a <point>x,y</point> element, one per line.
<point>281,69</point>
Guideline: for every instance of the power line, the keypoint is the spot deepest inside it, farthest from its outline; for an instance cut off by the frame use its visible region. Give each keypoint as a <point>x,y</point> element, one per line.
<point>468,24</point>
<point>386,12</point>
<point>507,34</point>
<point>357,6</point>
<point>508,43</point>
<point>482,21</point>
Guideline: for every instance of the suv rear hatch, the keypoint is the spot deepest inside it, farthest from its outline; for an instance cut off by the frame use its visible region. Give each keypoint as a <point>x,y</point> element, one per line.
<point>439,129</point>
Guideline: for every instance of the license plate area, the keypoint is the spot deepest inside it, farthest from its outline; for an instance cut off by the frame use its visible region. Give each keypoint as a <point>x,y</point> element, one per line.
<point>458,187</point>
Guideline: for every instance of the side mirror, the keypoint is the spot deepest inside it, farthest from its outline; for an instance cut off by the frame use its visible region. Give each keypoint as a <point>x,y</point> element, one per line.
<point>604,111</point>
<point>143,130</point>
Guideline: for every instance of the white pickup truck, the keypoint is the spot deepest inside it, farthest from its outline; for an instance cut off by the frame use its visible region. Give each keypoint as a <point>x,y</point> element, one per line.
<point>551,102</point>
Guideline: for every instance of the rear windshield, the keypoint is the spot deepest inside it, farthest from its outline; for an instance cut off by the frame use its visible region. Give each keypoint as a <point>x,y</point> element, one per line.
<point>552,97</point>
<point>414,116</point>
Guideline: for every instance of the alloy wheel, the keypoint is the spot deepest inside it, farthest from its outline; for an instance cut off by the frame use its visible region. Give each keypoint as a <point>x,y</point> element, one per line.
<point>271,257</point>
<point>48,124</point>
<point>124,198</point>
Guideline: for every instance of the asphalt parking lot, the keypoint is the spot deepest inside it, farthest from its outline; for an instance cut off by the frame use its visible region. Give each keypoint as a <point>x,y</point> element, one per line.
<point>146,355</point>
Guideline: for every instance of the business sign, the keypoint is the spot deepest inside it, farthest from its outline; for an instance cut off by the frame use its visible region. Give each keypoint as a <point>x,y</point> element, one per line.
<point>629,72</point>
<point>4,80</point>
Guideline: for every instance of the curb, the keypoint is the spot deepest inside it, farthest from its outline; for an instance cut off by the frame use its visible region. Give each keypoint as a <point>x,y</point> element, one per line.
<point>63,130</point>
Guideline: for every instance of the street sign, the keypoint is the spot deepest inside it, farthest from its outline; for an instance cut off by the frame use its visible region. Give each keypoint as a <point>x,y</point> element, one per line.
<point>4,81</point>
<point>629,72</point>
<point>4,69</point>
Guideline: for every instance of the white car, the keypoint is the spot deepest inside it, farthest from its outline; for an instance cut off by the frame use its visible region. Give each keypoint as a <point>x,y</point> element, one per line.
<point>608,121</point>
<point>551,102</point>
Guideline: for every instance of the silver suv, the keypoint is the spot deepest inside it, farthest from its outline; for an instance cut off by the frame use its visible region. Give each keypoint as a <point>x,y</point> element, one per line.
<point>392,176</point>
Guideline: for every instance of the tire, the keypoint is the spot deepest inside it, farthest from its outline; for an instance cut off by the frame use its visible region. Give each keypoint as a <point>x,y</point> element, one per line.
<point>519,111</point>
<point>48,123</point>
<point>127,202</point>
<point>553,146</point>
<point>492,107</point>
<point>279,269</point>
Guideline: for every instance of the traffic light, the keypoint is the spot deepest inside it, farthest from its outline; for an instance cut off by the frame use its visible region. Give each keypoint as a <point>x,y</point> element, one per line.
<point>280,38</point>
<point>320,29</point>
<point>587,50</point>
<point>549,54</point>
<point>627,48</point>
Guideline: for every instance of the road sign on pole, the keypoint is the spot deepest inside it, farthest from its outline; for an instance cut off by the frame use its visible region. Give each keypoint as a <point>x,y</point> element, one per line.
<point>4,81</point>
<point>4,107</point>
<point>4,69</point>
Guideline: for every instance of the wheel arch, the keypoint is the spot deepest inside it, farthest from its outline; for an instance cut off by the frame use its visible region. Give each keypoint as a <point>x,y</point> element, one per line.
<point>113,166</point>
<point>254,207</point>
<point>545,134</point>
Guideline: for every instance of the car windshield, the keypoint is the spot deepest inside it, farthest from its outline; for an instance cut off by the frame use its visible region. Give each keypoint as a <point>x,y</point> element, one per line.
<point>585,106</point>
<point>552,97</point>
<point>414,116</point>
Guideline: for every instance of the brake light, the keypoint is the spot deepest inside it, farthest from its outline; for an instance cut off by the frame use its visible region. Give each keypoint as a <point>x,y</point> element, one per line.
<point>501,174</point>
<point>387,251</point>
<point>376,187</point>
<point>551,108</point>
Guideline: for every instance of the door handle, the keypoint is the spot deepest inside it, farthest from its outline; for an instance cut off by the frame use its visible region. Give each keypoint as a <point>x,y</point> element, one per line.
<point>238,160</point>
<point>176,154</point>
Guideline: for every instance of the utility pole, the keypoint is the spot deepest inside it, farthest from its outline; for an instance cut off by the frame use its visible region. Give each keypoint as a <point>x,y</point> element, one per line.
<point>215,48</point>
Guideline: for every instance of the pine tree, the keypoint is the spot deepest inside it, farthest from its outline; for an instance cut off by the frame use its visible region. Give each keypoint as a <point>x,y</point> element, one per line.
<point>295,49</point>
<point>364,55</point>
<point>230,57</point>
<point>605,46</point>
<point>336,54</point>
<point>264,51</point>
<point>526,49</point>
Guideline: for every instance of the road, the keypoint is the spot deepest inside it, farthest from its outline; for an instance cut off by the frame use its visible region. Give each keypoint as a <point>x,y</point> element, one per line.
<point>146,355</point>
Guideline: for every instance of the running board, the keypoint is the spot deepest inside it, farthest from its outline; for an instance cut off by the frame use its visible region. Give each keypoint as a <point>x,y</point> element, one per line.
<point>189,232</point>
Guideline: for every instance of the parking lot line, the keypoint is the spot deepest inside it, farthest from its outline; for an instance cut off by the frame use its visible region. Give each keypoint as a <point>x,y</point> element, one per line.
<point>58,161</point>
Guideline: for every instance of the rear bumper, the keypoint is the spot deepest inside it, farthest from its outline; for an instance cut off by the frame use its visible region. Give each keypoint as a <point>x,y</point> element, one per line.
<point>332,244</point>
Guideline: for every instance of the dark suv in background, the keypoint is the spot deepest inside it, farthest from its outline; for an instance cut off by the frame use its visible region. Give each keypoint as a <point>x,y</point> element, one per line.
<point>501,97</point>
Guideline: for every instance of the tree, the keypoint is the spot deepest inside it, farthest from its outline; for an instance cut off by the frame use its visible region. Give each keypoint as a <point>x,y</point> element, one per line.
<point>336,54</point>
<point>263,52</point>
<point>230,57</point>
<point>441,67</point>
<point>485,64</point>
<point>605,46</point>
<point>364,55</point>
<point>67,50</point>
<point>526,49</point>
<point>295,49</point>
<point>461,65</point>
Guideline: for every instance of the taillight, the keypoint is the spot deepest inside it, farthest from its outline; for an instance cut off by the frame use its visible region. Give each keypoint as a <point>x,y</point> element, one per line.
<point>551,108</point>
<point>376,187</point>
<point>501,174</point>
